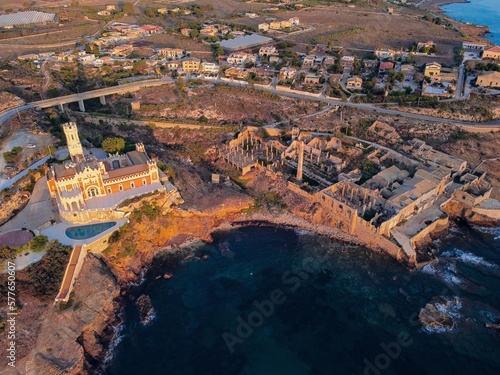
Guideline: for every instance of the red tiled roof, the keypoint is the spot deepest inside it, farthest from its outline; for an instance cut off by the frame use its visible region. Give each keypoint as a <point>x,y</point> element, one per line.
<point>126,171</point>
<point>493,49</point>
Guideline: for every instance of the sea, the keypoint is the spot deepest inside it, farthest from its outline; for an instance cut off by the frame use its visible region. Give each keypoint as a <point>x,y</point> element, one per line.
<point>266,300</point>
<point>479,12</point>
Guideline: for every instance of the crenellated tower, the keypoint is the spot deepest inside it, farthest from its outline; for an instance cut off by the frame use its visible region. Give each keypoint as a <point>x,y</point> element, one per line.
<point>73,141</point>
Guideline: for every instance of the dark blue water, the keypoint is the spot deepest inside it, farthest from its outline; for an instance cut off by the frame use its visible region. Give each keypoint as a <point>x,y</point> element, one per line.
<point>338,309</point>
<point>479,12</point>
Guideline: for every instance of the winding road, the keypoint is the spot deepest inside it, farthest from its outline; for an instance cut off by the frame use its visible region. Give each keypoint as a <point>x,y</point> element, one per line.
<point>282,91</point>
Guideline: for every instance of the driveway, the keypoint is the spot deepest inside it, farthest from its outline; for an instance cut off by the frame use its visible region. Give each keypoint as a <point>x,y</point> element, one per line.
<point>38,211</point>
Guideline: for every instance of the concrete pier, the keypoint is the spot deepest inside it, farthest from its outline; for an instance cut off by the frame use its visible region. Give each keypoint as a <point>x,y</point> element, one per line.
<point>81,105</point>
<point>61,107</point>
<point>103,99</point>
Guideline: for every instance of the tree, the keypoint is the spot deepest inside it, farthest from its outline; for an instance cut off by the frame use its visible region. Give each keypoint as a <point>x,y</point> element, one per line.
<point>140,67</point>
<point>150,12</point>
<point>113,145</point>
<point>7,253</point>
<point>128,8</point>
<point>39,242</point>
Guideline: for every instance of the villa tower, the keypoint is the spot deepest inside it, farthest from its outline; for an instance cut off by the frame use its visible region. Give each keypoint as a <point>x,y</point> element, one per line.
<point>74,145</point>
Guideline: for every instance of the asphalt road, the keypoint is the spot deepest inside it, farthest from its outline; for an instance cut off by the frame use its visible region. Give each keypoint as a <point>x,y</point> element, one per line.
<point>158,82</point>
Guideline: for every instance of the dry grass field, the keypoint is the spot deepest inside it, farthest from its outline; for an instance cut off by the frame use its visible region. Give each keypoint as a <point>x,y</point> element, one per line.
<point>367,28</point>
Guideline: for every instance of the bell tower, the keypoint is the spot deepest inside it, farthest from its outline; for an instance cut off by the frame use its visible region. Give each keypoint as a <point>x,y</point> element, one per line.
<point>74,145</point>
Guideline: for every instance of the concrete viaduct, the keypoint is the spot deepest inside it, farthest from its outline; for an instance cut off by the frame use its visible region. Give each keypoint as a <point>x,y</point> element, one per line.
<point>134,86</point>
<point>81,97</point>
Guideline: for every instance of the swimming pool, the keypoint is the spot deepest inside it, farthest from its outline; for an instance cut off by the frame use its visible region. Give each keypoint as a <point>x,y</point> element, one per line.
<point>87,231</point>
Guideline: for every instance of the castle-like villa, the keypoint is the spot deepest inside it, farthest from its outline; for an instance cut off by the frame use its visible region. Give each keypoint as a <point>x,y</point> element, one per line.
<point>88,188</point>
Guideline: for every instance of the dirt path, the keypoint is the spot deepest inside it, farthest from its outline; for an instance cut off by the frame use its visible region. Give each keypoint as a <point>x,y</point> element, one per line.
<point>48,77</point>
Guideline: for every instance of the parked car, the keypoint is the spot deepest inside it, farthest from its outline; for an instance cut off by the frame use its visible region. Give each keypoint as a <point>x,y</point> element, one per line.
<point>31,145</point>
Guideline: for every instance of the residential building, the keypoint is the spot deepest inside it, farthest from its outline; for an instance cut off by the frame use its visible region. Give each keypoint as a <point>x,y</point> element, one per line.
<point>347,61</point>
<point>287,73</point>
<point>355,83</point>
<point>432,69</point>
<point>264,26</point>
<point>275,59</point>
<point>238,58</point>
<point>209,30</point>
<point>275,25</point>
<point>408,70</point>
<point>111,7</point>
<point>286,24</point>
<point>162,10</point>
<point>492,53</point>
<point>308,60</point>
<point>235,72</point>
<point>170,53</point>
<point>190,64</point>
<point>172,65</point>
<point>268,51</point>
<point>328,60</point>
<point>209,68</point>
<point>150,29</point>
<point>311,79</point>
<point>474,46</point>
<point>86,59</point>
<point>385,66</point>
<point>263,71</point>
<point>490,79</point>
<point>122,50</point>
<point>428,44</point>
<point>385,53</point>
<point>83,186</point>
<point>30,56</point>
<point>104,13</point>
<point>295,21</point>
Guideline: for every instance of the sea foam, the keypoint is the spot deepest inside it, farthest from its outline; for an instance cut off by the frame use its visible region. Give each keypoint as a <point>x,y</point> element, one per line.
<point>468,258</point>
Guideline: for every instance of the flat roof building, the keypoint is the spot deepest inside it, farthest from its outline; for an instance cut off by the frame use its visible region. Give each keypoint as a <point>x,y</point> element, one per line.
<point>244,42</point>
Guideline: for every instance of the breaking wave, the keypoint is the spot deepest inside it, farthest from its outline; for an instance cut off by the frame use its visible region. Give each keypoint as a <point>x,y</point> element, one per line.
<point>448,272</point>
<point>468,258</point>
<point>495,231</point>
<point>451,307</point>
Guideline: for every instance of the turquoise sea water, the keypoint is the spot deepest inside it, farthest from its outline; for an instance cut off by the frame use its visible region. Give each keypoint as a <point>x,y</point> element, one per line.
<point>310,305</point>
<point>479,12</point>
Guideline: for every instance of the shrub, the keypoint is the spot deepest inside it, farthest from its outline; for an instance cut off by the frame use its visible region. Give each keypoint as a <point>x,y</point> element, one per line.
<point>45,276</point>
<point>39,242</point>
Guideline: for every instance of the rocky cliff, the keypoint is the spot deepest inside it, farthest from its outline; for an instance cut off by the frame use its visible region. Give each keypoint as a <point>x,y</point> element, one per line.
<point>458,210</point>
<point>75,337</point>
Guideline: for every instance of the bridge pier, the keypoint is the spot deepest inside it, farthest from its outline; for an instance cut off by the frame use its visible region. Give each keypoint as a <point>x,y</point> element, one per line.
<point>103,99</point>
<point>61,107</point>
<point>81,105</point>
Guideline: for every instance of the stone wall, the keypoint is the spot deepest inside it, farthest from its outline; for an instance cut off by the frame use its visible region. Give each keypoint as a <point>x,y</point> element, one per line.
<point>424,235</point>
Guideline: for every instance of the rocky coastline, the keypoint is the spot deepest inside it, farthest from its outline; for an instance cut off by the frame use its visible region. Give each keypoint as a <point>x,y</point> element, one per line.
<point>80,339</point>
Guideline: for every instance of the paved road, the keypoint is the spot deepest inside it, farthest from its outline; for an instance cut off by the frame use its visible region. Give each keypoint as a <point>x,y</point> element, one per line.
<point>370,107</point>
<point>47,103</point>
<point>278,91</point>
<point>8,183</point>
<point>38,211</point>
<point>460,82</point>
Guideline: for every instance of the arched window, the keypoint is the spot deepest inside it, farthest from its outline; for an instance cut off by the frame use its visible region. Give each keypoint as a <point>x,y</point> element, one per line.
<point>92,192</point>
